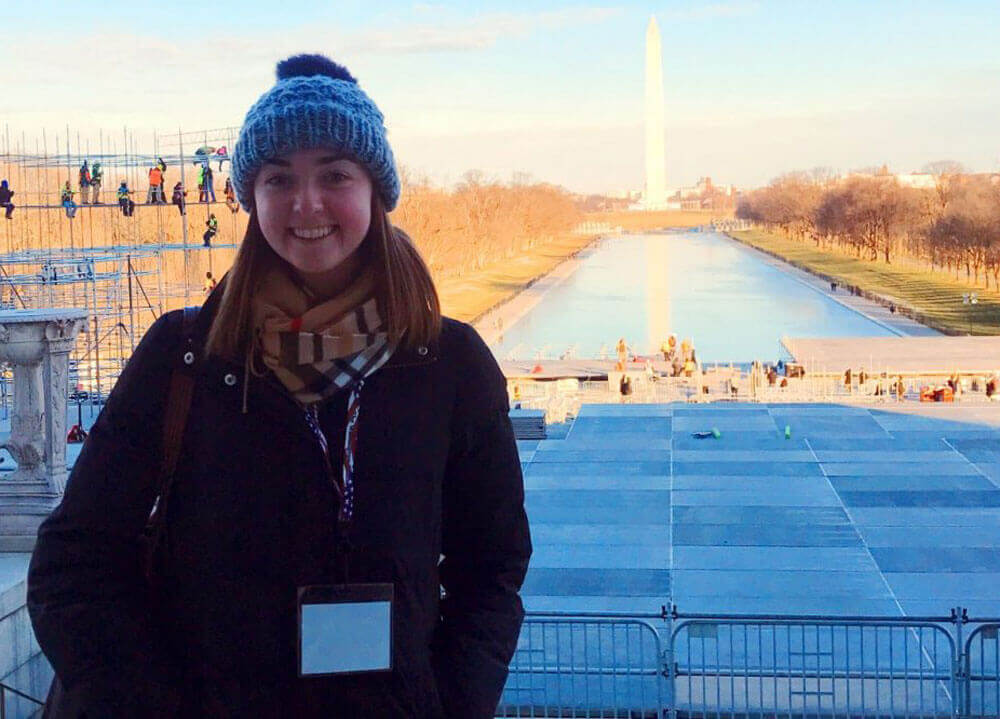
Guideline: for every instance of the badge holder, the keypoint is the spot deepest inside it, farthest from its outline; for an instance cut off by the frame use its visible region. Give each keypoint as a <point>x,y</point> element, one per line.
<point>344,629</point>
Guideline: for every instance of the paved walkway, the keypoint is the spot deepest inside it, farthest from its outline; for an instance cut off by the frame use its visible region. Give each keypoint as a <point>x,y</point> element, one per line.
<point>976,355</point>
<point>861,511</point>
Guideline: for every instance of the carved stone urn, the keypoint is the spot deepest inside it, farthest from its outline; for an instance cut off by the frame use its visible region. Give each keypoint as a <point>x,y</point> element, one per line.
<point>37,343</point>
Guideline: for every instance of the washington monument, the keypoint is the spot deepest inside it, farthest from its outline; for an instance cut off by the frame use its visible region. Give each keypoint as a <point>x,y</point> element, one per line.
<point>655,195</point>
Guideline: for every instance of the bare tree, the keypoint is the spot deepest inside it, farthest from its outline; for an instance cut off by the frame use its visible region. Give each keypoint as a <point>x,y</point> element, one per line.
<point>822,175</point>
<point>969,230</point>
<point>944,167</point>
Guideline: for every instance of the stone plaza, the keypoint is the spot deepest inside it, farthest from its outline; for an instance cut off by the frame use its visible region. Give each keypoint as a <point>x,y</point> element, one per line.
<point>861,511</point>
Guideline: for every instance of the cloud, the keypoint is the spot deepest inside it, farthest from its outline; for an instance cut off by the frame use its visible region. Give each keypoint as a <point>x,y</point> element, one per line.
<point>477,33</point>
<point>129,60</point>
<point>426,8</point>
<point>724,9</point>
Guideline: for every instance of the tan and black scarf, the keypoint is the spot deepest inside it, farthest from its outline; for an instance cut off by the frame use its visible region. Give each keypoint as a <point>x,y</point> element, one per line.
<point>316,350</point>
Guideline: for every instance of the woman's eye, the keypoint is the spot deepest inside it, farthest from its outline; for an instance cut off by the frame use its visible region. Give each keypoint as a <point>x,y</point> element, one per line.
<point>276,181</point>
<point>336,176</point>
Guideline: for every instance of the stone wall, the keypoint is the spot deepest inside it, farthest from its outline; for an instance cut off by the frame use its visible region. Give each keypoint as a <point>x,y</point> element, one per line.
<point>22,664</point>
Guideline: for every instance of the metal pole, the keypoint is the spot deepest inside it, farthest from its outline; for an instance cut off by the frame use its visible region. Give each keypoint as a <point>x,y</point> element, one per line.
<point>135,185</point>
<point>55,160</point>
<point>119,325</point>
<point>184,222</point>
<point>38,175</point>
<point>69,178</point>
<point>128,178</point>
<point>97,345</point>
<point>86,307</point>
<point>131,314</point>
<point>159,277</point>
<point>163,190</point>
<point>100,150</point>
<point>6,132</point>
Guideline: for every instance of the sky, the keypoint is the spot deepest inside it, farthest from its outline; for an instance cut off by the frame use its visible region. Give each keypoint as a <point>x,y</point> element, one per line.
<point>753,88</point>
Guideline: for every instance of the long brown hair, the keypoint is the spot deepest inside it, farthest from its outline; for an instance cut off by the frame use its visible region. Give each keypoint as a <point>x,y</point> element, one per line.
<point>404,289</point>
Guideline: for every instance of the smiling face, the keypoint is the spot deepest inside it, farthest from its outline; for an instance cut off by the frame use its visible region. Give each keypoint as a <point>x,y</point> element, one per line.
<point>314,209</point>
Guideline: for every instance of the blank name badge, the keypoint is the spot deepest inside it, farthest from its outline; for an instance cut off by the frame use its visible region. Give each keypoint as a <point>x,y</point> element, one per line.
<point>345,629</point>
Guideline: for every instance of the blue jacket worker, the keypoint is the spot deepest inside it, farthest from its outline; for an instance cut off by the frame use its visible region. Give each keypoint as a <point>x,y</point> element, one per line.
<point>5,199</point>
<point>125,201</point>
<point>344,534</point>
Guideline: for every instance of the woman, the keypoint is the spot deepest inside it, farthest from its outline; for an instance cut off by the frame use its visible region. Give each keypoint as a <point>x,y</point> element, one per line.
<point>341,433</point>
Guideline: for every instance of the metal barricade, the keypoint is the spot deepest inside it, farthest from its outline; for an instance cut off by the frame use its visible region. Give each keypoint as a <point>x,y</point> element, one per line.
<point>982,672</point>
<point>805,667</point>
<point>724,666</point>
<point>586,666</point>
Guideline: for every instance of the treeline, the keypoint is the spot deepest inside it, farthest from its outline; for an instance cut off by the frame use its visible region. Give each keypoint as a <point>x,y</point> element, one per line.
<point>953,226</point>
<point>481,220</point>
<point>458,230</point>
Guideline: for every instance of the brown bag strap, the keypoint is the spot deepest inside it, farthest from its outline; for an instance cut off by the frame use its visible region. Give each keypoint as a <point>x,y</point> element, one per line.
<point>174,422</point>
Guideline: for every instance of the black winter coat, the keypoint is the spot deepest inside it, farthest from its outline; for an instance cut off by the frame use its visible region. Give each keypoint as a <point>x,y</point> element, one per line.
<point>252,517</point>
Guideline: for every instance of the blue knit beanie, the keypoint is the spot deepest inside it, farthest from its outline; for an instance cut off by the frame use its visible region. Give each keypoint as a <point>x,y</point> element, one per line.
<point>315,103</point>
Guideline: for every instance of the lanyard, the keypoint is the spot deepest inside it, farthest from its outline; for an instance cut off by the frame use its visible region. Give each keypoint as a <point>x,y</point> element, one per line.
<point>345,485</point>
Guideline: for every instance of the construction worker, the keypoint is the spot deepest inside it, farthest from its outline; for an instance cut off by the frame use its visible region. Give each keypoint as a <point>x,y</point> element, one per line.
<point>222,154</point>
<point>96,176</point>
<point>230,194</point>
<point>209,181</point>
<point>201,183</point>
<point>5,194</point>
<point>67,200</point>
<point>155,192</point>
<point>178,197</point>
<point>210,283</point>
<point>213,229</point>
<point>124,201</point>
<point>84,183</point>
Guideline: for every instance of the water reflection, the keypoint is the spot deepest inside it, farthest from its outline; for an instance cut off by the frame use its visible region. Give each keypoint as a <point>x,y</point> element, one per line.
<point>732,304</point>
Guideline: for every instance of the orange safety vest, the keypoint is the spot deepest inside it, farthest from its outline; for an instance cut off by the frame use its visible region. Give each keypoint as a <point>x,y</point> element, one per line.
<point>155,176</point>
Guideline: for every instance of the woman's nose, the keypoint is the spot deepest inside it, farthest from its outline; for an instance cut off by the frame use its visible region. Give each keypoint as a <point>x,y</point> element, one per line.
<point>308,200</point>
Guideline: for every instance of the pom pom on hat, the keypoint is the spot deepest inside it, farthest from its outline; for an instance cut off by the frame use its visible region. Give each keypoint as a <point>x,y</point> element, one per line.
<point>309,65</point>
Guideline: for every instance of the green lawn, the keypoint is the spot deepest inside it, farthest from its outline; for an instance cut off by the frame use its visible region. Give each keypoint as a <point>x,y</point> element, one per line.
<point>467,297</point>
<point>931,298</point>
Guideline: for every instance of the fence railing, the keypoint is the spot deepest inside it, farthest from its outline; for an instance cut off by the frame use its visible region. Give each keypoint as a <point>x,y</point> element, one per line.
<point>671,665</point>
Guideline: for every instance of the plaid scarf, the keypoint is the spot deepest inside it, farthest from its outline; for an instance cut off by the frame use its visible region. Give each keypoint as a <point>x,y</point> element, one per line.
<point>316,350</point>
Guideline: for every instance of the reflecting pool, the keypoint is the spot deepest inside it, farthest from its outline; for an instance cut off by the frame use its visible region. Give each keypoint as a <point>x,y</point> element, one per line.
<point>725,297</point>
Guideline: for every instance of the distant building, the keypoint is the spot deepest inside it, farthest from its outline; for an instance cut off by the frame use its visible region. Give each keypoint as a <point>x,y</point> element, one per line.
<point>992,177</point>
<point>704,195</point>
<point>918,180</point>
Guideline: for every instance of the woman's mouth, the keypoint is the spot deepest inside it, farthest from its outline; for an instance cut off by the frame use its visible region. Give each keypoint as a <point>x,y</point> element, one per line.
<point>312,233</point>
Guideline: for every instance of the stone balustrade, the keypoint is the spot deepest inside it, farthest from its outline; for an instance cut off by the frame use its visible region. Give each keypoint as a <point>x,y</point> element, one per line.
<point>37,343</point>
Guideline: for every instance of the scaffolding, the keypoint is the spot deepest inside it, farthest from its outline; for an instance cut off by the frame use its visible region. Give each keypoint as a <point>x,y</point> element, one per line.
<point>124,268</point>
